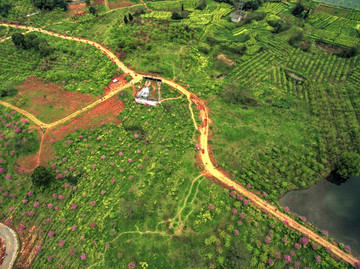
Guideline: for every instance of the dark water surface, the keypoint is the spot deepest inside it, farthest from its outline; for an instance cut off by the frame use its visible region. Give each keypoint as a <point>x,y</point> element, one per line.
<point>330,207</point>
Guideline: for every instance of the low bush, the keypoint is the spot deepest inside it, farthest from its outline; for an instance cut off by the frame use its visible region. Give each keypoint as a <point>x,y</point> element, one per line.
<point>235,94</point>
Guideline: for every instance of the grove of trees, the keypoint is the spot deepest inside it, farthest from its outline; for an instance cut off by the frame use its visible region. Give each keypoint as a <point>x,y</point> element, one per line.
<point>348,165</point>
<point>50,4</point>
<point>41,176</point>
<point>31,41</point>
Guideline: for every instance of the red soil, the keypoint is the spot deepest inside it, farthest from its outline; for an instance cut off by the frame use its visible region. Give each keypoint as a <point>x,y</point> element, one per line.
<point>76,6</point>
<point>30,240</point>
<point>99,2</point>
<point>119,4</point>
<point>114,85</point>
<point>25,164</point>
<point>64,103</point>
<point>105,112</point>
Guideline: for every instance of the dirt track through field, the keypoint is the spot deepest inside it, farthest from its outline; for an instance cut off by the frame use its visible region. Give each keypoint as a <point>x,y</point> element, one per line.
<point>204,134</point>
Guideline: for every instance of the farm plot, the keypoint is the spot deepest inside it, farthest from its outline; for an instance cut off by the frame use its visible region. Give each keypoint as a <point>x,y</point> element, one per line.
<point>321,20</point>
<point>341,3</point>
<point>90,72</point>
<point>93,167</point>
<point>162,15</point>
<point>198,18</point>
<point>253,70</point>
<point>172,5</point>
<point>273,7</point>
<point>353,15</point>
<point>48,101</point>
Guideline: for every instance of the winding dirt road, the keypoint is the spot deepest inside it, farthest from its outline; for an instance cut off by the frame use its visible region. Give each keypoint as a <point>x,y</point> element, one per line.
<point>204,134</point>
<point>12,246</point>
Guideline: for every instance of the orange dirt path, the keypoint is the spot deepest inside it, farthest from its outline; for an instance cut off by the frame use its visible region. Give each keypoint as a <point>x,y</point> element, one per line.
<point>205,157</point>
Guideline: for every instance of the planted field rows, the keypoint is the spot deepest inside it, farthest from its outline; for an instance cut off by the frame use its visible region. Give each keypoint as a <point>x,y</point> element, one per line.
<point>162,15</point>
<point>254,70</point>
<point>327,68</point>
<point>353,14</point>
<point>274,8</point>
<point>172,5</point>
<point>321,20</point>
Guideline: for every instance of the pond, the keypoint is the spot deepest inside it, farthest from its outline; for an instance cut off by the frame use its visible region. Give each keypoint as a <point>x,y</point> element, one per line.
<point>335,208</point>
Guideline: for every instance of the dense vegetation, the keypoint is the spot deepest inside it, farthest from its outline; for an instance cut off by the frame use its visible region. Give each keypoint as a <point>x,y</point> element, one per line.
<point>51,58</point>
<point>347,166</point>
<point>283,91</point>
<point>136,206</point>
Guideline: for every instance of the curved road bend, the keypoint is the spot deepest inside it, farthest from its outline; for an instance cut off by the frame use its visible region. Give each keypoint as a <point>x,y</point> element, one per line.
<point>209,167</point>
<point>12,246</point>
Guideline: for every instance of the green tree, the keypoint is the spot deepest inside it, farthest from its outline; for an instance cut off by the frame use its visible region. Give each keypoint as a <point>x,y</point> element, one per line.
<point>176,16</point>
<point>4,10</point>
<point>131,18</point>
<point>237,95</point>
<point>348,165</point>
<point>31,41</point>
<point>44,48</point>
<point>41,176</point>
<point>8,88</point>
<point>126,19</point>
<point>18,40</point>
<point>87,2</point>
<point>92,10</point>
<point>50,4</point>
<point>201,5</point>
<point>298,9</point>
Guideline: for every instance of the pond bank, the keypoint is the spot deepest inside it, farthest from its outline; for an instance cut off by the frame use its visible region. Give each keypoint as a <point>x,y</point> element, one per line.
<point>335,208</point>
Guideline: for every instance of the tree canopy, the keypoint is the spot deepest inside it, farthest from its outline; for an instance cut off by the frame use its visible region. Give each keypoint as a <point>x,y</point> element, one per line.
<point>348,165</point>
<point>50,4</point>
<point>31,41</point>
<point>4,10</point>
<point>298,10</point>
<point>41,176</point>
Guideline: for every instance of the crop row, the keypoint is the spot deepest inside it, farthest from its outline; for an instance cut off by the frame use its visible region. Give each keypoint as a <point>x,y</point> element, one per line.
<point>353,14</point>
<point>198,19</point>
<point>341,23</point>
<point>172,5</point>
<point>321,20</point>
<point>259,59</point>
<point>221,11</point>
<point>348,41</point>
<point>327,68</point>
<point>273,7</point>
<point>158,15</point>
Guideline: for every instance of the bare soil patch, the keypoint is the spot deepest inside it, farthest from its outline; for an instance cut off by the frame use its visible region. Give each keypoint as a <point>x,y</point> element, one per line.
<point>335,11</point>
<point>77,10</point>
<point>223,58</point>
<point>76,6</point>
<point>30,241</point>
<point>114,85</point>
<point>113,4</point>
<point>105,112</point>
<point>48,101</point>
<point>99,2</point>
<point>295,75</point>
<point>328,47</point>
